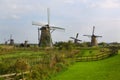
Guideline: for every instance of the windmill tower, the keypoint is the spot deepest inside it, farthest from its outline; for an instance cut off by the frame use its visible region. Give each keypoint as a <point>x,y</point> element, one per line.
<point>11,40</point>
<point>76,38</point>
<point>44,39</point>
<point>93,38</point>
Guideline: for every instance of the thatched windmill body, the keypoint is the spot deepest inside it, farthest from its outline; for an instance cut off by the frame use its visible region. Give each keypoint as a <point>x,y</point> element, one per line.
<point>93,38</point>
<point>76,40</point>
<point>44,39</point>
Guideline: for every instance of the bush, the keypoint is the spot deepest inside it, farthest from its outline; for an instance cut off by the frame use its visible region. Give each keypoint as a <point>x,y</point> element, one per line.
<point>21,65</point>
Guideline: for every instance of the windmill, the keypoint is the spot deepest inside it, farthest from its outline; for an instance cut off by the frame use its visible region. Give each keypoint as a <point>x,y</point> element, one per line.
<point>93,38</point>
<point>76,38</point>
<point>44,38</point>
<point>11,41</point>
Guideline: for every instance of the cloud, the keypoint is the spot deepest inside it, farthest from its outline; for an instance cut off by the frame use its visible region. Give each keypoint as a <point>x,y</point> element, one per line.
<point>19,7</point>
<point>110,4</point>
<point>69,1</point>
<point>106,4</point>
<point>10,17</point>
<point>74,15</point>
<point>12,9</point>
<point>15,17</point>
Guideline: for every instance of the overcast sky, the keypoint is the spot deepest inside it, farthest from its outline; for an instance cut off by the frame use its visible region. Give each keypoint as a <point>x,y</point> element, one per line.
<point>76,16</point>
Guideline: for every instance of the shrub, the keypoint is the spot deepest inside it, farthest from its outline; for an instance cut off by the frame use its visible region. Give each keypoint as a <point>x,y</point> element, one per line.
<point>21,65</point>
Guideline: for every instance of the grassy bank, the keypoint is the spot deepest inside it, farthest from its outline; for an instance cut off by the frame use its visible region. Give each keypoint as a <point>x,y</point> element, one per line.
<point>107,69</point>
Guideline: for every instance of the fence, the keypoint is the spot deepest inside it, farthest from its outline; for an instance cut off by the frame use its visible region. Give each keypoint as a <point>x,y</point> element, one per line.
<point>95,57</point>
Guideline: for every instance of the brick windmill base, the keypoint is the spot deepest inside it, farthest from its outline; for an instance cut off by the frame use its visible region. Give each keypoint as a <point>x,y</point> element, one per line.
<point>94,41</point>
<point>45,38</point>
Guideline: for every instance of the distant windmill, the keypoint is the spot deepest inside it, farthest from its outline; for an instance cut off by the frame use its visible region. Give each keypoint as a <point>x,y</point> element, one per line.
<point>76,38</point>
<point>93,38</point>
<point>11,41</point>
<point>45,39</point>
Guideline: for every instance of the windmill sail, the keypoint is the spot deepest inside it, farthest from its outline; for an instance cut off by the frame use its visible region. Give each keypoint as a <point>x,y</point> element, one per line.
<point>75,39</point>
<point>93,30</point>
<point>87,35</point>
<point>38,24</point>
<point>48,14</point>
<point>52,27</point>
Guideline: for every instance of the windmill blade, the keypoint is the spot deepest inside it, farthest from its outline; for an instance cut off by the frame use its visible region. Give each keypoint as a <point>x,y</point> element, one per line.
<point>77,35</point>
<point>87,35</point>
<point>38,34</point>
<point>93,30</point>
<point>98,36</point>
<point>52,27</point>
<point>10,36</point>
<point>48,14</point>
<point>38,24</point>
<point>72,38</point>
<point>78,40</point>
<point>75,39</point>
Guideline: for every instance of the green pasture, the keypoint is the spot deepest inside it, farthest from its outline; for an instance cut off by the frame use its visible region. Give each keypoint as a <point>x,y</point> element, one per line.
<point>107,69</point>
<point>89,52</point>
<point>21,54</point>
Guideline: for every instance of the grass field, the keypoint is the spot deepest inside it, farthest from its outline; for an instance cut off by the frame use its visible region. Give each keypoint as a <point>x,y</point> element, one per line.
<point>8,59</point>
<point>60,65</point>
<point>108,69</point>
